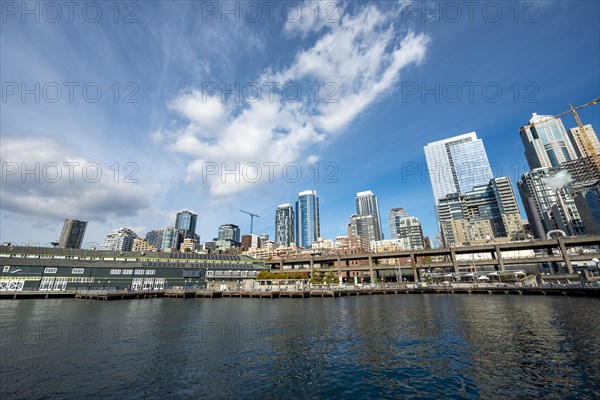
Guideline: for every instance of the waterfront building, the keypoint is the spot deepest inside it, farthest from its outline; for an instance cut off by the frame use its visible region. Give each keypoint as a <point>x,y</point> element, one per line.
<point>72,234</point>
<point>579,141</point>
<point>457,165</point>
<point>546,142</point>
<point>394,217</point>
<point>61,270</point>
<point>547,195</point>
<point>119,240</point>
<point>284,225</point>
<point>486,212</point>
<point>367,204</point>
<point>154,237</point>
<point>308,227</point>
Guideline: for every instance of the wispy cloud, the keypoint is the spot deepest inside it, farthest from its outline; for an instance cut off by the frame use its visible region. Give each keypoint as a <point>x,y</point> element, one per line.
<point>352,63</point>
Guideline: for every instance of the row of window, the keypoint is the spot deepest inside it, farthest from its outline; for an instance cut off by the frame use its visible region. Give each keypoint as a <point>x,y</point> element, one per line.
<point>230,273</point>
<point>131,272</point>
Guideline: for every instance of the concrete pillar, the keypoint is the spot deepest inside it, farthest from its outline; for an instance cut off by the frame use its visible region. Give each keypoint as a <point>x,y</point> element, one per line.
<point>565,255</point>
<point>413,263</point>
<point>499,257</point>
<point>453,259</point>
<point>339,263</point>
<point>371,274</point>
<point>312,267</point>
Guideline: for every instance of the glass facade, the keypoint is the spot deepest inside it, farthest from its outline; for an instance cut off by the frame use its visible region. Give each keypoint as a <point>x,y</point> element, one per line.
<point>457,164</point>
<point>367,204</point>
<point>307,219</point>
<point>546,142</point>
<point>284,225</point>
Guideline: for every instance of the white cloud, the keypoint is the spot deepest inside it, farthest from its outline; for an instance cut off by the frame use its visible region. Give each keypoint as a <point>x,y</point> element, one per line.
<point>62,184</point>
<point>354,62</point>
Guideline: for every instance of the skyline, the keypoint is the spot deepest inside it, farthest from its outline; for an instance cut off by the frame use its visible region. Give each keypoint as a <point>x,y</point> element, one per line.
<point>371,139</point>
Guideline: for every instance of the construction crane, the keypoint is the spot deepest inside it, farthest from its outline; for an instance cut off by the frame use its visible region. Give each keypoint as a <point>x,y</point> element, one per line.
<point>251,219</point>
<point>589,148</point>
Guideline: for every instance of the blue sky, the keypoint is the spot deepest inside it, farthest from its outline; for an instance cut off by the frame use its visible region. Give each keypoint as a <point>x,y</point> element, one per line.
<point>402,75</point>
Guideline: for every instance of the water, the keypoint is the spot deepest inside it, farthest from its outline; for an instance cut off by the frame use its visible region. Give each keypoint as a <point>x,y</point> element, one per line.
<point>398,346</point>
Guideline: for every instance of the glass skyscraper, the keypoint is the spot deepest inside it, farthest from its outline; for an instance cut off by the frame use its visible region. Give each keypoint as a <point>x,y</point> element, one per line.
<point>284,225</point>
<point>72,233</point>
<point>394,217</point>
<point>185,223</point>
<point>367,204</point>
<point>307,218</point>
<point>457,164</point>
<point>546,142</point>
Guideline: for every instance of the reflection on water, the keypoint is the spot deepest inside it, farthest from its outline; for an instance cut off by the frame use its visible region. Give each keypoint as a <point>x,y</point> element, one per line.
<point>409,346</point>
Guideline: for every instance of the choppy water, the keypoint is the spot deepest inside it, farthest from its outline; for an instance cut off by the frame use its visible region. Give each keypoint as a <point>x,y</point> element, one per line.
<point>398,346</point>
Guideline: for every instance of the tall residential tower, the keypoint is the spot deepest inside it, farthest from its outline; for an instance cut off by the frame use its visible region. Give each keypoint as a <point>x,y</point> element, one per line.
<point>308,227</point>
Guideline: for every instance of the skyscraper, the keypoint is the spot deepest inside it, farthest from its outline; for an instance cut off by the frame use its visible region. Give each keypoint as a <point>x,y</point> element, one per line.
<point>284,225</point>
<point>367,204</point>
<point>410,233</point>
<point>72,233</point>
<point>119,240</point>
<point>185,223</point>
<point>365,226</point>
<point>547,196</point>
<point>457,164</point>
<point>579,141</point>
<point>307,218</point>
<point>394,217</point>
<point>229,232</point>
<point>483,213</point>
<point>546,142</point>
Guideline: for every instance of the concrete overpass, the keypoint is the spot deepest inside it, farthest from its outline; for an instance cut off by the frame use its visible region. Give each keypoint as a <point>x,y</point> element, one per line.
<point>562,250</point>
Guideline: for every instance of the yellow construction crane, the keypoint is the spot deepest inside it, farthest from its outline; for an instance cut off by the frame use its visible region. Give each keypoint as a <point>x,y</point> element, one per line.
<point>589,148</point>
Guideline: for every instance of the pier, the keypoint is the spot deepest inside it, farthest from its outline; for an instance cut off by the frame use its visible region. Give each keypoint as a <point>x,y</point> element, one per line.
<point>330,292</point>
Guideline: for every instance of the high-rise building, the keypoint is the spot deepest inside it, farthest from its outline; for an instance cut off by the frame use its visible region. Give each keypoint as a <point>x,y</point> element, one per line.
<point>367,204</point>
<point>546,142</point>
<point>229,232</point>
<point>547,196</point>
<point>457,164</point>
<point>486,212</point>
<point>72,234</point>
<point>170,239</point>
<point>588,206</point>
<point>365,226</point>
<point>284,225</point>
<point>119,240</point>
<point>264,237</point>
<point>411,232</point>
<point>154,237</point>
<point>579,141</point>
<point>394,217</point>
<point>308,228</point>
<point>185,223</point>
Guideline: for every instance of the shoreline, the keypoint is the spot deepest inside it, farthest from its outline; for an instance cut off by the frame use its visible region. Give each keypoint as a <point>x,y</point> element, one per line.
<point>573,290</point>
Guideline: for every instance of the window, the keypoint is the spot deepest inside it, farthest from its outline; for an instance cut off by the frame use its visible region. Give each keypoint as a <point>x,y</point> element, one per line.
<point>6,268</point>
<point>139,272</point>
<point>48,270</point>
<point>75,271</point>
<point>127,271</point>
<point>150,272</point>
<point>115,272</point>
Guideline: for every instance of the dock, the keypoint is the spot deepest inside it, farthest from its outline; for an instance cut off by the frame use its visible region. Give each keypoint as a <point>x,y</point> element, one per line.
<point>333,292</point>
